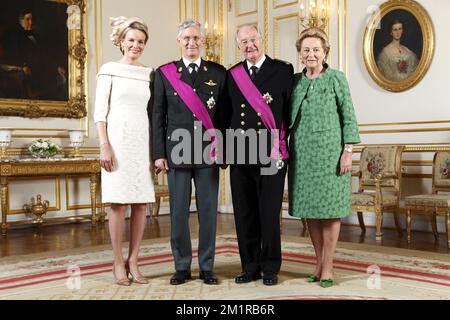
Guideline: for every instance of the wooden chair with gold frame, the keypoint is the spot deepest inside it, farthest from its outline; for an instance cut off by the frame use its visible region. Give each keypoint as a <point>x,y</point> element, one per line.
<point>379,189</point>
<point>433,204</point>
<point>161,191</point>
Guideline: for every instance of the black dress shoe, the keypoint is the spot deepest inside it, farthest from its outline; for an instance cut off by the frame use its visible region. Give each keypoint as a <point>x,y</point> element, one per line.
<point>180,277</point>
<point>208,277</point>
<point>246,277</point>
<point>270,279</point>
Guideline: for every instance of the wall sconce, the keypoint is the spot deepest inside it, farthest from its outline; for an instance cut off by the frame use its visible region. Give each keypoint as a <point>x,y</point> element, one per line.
<point>212,43</point>
<point>314,14</point>
<point>76,141</point>
<point>5,141</point>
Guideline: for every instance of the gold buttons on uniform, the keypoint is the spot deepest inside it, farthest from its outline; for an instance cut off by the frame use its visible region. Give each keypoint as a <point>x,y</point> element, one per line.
<point>242,114</point>
<point>242,123</point>
<point>175,94</point>
<point>242,131</point>
<point>242,105</point>
<point>259,123</point>
<point>195,90</point>
<point>195,127</point>
<point>259,114</point>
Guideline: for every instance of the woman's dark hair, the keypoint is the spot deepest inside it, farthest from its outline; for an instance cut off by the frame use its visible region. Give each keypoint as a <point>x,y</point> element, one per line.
<point>392,23</point>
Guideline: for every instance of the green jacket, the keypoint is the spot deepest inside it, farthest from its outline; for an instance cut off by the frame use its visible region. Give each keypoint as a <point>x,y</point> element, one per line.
<point>335,108</point>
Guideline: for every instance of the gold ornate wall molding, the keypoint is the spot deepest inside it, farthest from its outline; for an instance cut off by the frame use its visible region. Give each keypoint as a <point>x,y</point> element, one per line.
<point>239,13</point>
<point>277,5</point>
<point>56,179</point>
<point>76,178</point>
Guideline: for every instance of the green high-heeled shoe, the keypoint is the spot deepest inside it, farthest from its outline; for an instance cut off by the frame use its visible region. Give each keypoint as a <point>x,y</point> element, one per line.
<point>312,278</point>
<point>326,283</point>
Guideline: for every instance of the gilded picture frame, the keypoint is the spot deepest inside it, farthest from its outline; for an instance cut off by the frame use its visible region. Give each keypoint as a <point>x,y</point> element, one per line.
<point>42,58</point>
<point>398,44</point>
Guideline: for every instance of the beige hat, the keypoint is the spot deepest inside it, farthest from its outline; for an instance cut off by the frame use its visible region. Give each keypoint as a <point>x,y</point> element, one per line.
<point>120,24</point>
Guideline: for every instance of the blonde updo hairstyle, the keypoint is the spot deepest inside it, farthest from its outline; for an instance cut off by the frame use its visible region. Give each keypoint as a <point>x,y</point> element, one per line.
<point>314,33</point>
<point>121,25</point>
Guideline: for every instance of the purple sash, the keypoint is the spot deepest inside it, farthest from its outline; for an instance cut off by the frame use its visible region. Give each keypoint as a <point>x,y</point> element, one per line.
<point>259,104</point>
<point>192,101</point>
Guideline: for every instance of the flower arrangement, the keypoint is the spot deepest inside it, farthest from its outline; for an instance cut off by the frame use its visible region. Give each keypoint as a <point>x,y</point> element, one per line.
<point>43,148</point>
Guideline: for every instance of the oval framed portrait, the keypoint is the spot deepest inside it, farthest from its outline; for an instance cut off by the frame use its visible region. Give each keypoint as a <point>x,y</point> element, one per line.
<point>398,44</point>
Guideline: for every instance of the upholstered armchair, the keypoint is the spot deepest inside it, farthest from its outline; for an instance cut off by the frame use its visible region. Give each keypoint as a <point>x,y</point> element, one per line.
<point>161,191</point>
<point>433,204</point>
<point>379,185</point>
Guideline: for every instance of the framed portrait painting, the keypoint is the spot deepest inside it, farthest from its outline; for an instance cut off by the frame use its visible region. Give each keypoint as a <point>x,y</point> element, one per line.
<point>398,44</point>
<point>42,58</point>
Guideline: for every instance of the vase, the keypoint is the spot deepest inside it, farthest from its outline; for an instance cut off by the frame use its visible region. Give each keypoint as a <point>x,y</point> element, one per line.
<point>42,155</point>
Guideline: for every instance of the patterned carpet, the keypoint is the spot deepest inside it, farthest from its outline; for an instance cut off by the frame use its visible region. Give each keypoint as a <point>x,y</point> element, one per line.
<point>362,272</point>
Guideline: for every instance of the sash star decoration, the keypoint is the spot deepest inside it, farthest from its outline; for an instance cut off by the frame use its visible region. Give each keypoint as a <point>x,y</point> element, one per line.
<point>211,103</point>
<point>267,97</point>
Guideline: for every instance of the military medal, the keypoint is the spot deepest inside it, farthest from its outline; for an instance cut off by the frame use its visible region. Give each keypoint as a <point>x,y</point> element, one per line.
<point>280,163</point>
<point>211,103</point>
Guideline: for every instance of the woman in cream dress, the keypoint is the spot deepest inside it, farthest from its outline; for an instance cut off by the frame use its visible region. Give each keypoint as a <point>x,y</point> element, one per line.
<point>396,62</point>
<point>121,118</point>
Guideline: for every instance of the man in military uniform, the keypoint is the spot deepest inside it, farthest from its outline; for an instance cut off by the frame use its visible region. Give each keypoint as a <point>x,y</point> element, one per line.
<point>259,90</point>
<point>187,98</point>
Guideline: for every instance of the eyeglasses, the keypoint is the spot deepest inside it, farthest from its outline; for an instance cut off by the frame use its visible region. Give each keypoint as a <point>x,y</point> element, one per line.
<point>246,42</point>
<point>188,39</point>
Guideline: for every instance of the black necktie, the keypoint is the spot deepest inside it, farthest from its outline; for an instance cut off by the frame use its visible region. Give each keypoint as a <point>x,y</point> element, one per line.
<point>254,72</point>
<point>193,66</point>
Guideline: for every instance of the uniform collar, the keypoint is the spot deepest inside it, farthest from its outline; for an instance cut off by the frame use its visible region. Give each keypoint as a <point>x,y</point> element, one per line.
<point>258,65</point>
<point>188,62</point>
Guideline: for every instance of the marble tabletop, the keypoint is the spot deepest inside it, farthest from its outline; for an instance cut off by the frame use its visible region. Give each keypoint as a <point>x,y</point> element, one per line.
<point>54,159</point>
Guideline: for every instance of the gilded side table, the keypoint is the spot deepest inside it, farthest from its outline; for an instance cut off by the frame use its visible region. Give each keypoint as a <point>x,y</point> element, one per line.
<point>25,167</point>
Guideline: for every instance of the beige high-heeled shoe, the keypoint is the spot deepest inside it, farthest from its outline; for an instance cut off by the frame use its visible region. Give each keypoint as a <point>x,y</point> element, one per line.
<point>138,280</point>
<point>121,282</point>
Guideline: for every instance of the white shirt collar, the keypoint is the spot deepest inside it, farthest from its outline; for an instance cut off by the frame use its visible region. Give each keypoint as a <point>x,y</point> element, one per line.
<point>258,65</point>
<point>188,62</point>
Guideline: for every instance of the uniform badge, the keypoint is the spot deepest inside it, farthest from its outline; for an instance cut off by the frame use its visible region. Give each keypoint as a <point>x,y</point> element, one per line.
<point>205,68</point>
<point>180,69</point>
<point>211,103</point>
<point>211,83</point>
<point>267,97</point>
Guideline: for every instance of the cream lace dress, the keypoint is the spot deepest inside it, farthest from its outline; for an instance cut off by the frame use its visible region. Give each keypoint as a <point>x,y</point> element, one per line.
<point>121,101</point>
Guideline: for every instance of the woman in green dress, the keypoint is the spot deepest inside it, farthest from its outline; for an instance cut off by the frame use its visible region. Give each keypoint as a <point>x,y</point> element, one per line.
<point>323,130</point>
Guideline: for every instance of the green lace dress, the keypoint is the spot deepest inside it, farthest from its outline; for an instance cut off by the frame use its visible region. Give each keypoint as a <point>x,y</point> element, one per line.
<point>322,120</point>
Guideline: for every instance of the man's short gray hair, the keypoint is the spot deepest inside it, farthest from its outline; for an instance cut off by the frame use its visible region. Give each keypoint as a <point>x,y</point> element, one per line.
<point>189,23</point>
<point>248,25</point>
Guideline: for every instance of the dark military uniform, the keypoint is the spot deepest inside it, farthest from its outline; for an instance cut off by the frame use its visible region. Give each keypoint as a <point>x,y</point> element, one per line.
<point>257,198</point>
<point>170,113</point>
